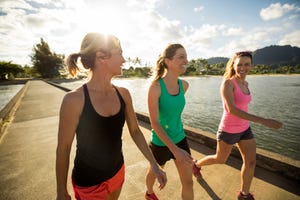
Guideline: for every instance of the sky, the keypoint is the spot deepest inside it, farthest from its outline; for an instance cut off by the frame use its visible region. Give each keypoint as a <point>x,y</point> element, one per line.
<point>206,28</point>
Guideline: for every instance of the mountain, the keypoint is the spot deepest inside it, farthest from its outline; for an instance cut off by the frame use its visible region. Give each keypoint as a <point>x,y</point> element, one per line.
<point>216,60</point>
<point>271,55</point>
<point>277,55</point>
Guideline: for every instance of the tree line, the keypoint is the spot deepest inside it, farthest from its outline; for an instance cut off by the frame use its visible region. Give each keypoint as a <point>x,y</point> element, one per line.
<point>48,64</point>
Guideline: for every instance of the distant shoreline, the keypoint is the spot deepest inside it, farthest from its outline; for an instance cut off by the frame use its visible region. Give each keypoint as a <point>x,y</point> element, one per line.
<point>63,80</point>
<point>273,75</point>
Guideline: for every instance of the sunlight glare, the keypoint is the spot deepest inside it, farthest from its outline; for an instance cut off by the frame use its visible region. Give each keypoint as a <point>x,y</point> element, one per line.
<point>105,19</point>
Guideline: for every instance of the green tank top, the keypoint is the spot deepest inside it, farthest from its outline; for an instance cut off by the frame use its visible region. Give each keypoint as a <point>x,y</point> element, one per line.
<point>170,109</point>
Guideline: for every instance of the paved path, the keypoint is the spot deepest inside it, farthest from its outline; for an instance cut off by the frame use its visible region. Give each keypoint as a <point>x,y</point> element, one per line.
<point>27,160</point>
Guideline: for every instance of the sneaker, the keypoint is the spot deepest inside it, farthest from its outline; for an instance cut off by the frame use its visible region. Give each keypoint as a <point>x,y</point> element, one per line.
<point>242,196</point>
<point>151,196</point>
<point>196,171</point>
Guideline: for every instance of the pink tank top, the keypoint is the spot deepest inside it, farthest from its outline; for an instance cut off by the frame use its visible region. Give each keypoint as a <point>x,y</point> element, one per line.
<point>231,123</point>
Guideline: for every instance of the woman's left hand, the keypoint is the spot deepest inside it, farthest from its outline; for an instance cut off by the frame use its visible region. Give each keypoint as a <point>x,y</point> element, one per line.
<point>160,175</point>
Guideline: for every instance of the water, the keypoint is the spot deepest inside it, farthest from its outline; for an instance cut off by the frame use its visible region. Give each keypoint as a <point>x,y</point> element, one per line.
<point>272,97</point>
<point>7,92</point>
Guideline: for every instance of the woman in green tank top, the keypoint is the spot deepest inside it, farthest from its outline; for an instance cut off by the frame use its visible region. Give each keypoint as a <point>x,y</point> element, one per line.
<point>165,103</point>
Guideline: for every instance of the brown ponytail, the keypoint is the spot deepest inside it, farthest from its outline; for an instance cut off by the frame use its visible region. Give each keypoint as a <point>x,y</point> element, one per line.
<point>91,43</point>
<point>71,63</point>
<point>161,67</point>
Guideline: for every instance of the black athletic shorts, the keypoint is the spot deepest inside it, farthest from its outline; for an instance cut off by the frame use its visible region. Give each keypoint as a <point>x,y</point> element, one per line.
<point>162,154</point>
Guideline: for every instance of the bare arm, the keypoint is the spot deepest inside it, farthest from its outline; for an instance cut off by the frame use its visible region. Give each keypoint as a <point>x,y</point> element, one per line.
<point>153,107</point>
<point>139,139</point>
<point>69,115</point>
<point>227,89</point>
<point>185,85</point>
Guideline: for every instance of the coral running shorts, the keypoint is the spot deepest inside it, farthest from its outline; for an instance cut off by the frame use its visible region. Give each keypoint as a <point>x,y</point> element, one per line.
<point>102,190</point>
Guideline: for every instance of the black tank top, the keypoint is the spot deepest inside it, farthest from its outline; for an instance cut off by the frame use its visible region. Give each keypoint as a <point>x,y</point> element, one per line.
<point>99,145</point>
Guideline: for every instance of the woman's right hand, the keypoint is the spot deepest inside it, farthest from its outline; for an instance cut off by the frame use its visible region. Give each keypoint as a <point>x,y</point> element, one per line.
<point>64,196</point>
<point>271,123</point>
<point>183,157</point>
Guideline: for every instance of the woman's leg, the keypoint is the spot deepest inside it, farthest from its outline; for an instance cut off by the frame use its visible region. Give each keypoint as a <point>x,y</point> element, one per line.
<point>248,152</point>
<point>114,185</point>
<point>222,153</point>
<point>185,174</point>
<point>114,195</point>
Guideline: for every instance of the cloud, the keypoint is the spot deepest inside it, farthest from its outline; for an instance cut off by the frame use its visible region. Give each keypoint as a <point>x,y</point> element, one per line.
<point>198,9</point>
<point>277,10</point>
<point>144,30</point>
<point>143,4</point>
<point>209,31</point>
<point>26,22</point>
<point>8,5</point>
<point>150,35</point>
<point>201,41</point>
<point>234,31</point>
<point>292,39</point>
<point>221,40</point>
<point>165,28</point>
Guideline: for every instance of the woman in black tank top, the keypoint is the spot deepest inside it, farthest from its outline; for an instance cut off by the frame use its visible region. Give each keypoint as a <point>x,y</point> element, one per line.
<point>95,113</point>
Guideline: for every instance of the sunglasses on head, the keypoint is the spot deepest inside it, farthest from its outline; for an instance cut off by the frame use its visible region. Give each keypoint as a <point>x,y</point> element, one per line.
<point>244,53</point>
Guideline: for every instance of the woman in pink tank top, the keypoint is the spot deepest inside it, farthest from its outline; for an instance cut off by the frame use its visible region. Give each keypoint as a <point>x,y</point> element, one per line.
<point>234,127</point>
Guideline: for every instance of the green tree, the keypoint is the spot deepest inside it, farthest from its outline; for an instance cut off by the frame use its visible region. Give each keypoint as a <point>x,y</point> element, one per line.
<point>217,69</point>
<point>129,62</point>
<point>30,72</point>
<point>46,63</point>
<point>199,66</point>
<point>192,68</point>
<point>9,70</point>
<point>137,62</point>
<point>142,71</point>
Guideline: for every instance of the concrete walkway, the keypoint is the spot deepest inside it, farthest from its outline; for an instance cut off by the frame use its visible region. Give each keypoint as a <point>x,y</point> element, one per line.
<point>27,160</point>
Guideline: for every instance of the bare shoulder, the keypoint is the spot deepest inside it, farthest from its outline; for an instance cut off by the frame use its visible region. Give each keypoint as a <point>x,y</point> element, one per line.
<point>155,85</point>
<point>227,85</point>
<point>154,90</point>
<point>74,98</point>
<point>185,84</point>
<point>124,93</point>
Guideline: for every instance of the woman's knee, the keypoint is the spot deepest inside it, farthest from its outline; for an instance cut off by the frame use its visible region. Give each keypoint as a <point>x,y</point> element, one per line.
<point>251,163</point>
<point>187,183</point>
<point>186,177</point>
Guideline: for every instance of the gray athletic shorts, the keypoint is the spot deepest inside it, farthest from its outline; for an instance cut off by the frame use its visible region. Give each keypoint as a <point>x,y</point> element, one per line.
<point>230,138</point>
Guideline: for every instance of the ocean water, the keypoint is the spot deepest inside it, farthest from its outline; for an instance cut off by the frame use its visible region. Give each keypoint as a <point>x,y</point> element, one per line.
<point>7,92</point>
<point>275,97</point>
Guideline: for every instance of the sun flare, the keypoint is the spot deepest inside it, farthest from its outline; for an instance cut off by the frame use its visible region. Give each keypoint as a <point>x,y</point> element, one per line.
<point>106,19</point>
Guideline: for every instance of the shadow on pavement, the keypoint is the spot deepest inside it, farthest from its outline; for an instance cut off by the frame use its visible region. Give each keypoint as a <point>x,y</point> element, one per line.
<point>208,189</point>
